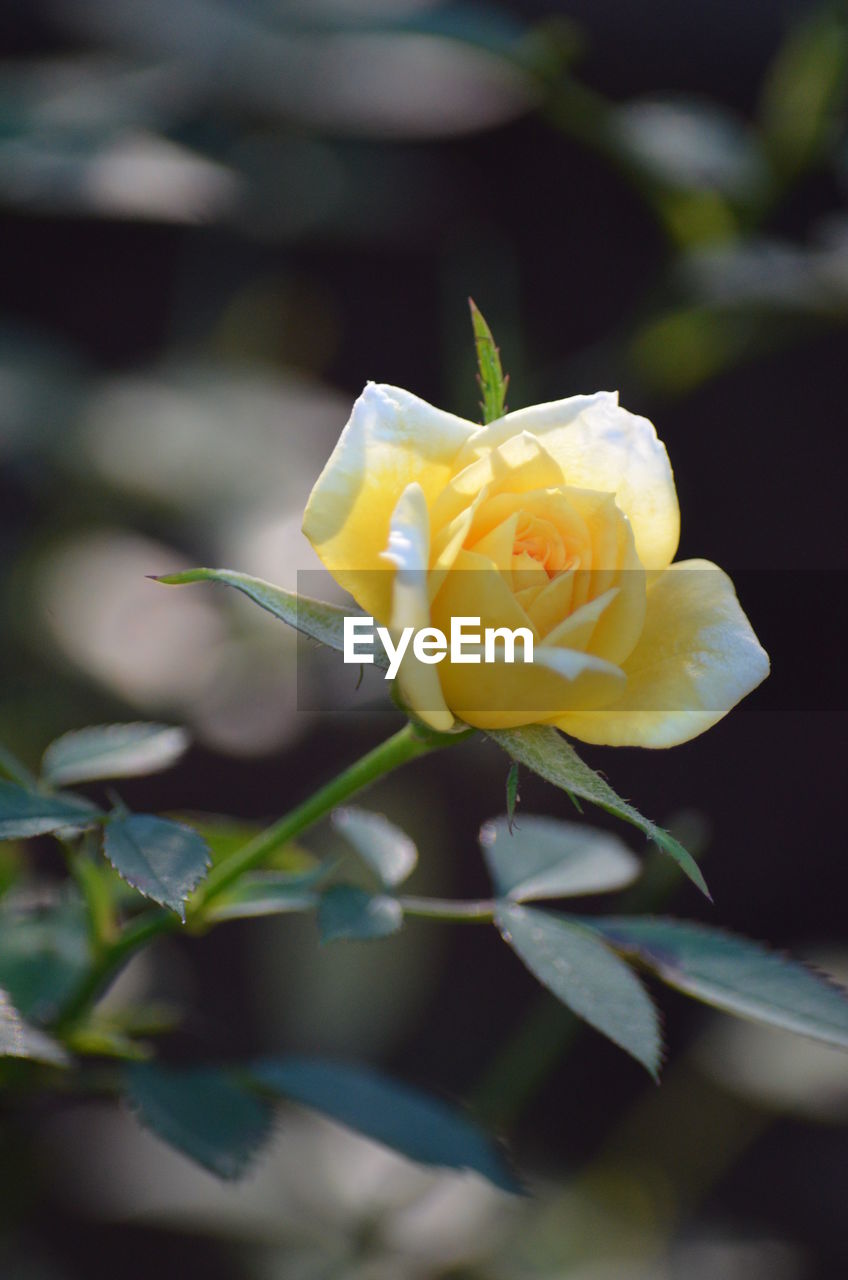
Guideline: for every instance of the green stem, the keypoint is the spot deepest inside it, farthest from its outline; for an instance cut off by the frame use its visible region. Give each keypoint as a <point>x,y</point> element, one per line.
<point>481,911</point>
<point>88,874</point>
<point>405,745</point>
<point>409,743</point>
<point>136,934</point>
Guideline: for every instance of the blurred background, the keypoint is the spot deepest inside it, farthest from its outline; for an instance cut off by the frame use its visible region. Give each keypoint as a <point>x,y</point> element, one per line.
<point>218,219</point>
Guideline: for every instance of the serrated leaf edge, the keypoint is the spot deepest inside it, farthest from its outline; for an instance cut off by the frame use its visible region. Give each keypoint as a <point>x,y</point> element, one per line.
<point>180,911</point>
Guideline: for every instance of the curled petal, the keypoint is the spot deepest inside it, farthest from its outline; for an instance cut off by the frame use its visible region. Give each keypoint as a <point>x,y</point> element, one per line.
<point>601,446</point>
<point>474,588</point>
<point>516,465</point>
<point>391,440</point>
<point>696,658</point>
<point>409,552</point>
<point>501,696</point>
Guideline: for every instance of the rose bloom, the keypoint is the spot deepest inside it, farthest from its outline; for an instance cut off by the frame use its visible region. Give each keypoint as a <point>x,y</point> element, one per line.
<point>561,517</point>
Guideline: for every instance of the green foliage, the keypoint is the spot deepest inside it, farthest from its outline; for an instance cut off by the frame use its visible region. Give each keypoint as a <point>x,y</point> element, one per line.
<point>163,860</point>
<point>267,893</point>
<point>804,93</point>
<point>493,383</point>
<point>418,1126</point>
<point>734,974</point>
<point>112,751</point>
<point>15,769</point>
<point>222,1118</point>
<point>225,835</point>
<point>44,954</point>
<point>18,1039</point>
<point>716,186</point>
<point>511,794</point>
<point>387,850</point>
<point>586,975</point>
<point>55,959</point>
<point>26,813</point>
<point>544,750</point>
<point>314,618</point>
<point>10,1026</point>
<point>345,911</point>
<point>204,1112</point>
<point>548,858</point>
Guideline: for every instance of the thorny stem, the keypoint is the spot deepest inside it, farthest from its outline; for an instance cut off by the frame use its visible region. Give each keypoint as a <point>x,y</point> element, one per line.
<point>403,746</point>
<point>407,744</point>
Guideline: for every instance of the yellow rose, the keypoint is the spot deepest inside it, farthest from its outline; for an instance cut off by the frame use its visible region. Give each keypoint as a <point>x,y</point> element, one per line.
<point>561,518</point>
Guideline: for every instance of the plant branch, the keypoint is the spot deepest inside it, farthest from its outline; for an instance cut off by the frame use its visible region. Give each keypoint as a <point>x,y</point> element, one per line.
<point>407,744</point>
<point>481,911</point>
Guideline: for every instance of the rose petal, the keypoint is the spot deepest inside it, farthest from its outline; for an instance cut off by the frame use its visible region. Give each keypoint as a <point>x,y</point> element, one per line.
<point>697,657</point>
<point>497,545</point>
<point>409,552</point>
<point>577,629</point>
<point>502,695</point>
<point>518,464</point>
<point>391,439</point>
<point>475,589</point>
<point>601,446</point>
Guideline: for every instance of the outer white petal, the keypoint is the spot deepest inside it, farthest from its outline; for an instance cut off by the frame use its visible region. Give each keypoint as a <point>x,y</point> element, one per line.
<point>409,551</point>
<point>601,446</point>
<point>697,657</point>
<point>392,439</point>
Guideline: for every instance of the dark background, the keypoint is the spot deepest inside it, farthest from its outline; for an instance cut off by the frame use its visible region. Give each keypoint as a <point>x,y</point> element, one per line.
<point>292,243</point>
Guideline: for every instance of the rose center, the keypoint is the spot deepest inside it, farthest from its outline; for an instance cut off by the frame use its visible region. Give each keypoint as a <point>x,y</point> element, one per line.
<point>542,542</point>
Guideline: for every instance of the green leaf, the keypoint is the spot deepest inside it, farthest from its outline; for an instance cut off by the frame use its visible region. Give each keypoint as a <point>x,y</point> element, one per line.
<point>511,794</point>
<point>581,971</point>
<point>11,1026</point>
<point>225,835</point>
<point>804,91</point>
<point>20,1040</point>
<point>44,954</point>
<point>265,894</point>
<point>388,851</point>
<point>16,769</point>
<point>347,912</point>
<point>546,858</point>
<point>26,813</point>
<point>203,1112</point>
<point>493,384</point>
<point>544,750</point>
<point>163,860</point>
<point>418,1126</point>
<point>112,751</point>
<point>734,974</point>
<point>96,1039</point>
<point>314,618</point>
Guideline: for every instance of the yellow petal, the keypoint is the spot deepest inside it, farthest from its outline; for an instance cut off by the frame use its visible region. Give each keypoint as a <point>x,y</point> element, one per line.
<point>517,464</point>
<point>528,595</point>
<point>475,589</point>
<point>448,541</point>
<point>577,629</point>
<point>697,657</point>
<point>391,440</point>
<point>615,564</point>
<point>551,505</point>
<point>503,695</point>
<point>409,551</point>
<point>598,445</point>
<point>497,545</point>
